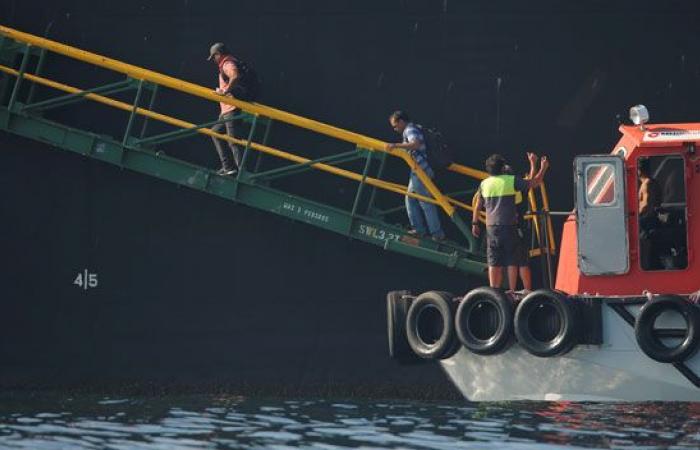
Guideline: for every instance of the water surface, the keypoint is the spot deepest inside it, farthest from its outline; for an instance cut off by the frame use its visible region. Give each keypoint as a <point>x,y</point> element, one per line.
<point>60,421</point>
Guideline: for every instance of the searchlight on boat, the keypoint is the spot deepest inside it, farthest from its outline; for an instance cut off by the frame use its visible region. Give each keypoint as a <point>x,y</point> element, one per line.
<point>639,115</point>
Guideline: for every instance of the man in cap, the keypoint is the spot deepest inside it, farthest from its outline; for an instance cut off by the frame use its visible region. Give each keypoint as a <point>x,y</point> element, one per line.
<point>423,216</point>
<point>497,195</point>
<point>228,74</point>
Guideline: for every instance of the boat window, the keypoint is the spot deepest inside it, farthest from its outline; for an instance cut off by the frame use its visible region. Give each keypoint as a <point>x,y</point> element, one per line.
<point>600,185</point>
<point>662,213</point>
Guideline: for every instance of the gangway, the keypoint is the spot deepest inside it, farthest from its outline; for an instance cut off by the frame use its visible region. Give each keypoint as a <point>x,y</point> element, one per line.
<point>22,61</point>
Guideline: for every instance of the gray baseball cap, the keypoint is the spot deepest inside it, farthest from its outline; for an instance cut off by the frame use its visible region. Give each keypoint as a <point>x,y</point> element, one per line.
<point>219,47</point>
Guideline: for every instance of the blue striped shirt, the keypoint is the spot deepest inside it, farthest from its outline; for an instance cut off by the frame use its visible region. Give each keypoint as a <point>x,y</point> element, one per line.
<point>413,134</point>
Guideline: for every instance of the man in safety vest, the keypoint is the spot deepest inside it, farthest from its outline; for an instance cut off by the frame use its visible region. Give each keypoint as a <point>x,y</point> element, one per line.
<point>497,198</point>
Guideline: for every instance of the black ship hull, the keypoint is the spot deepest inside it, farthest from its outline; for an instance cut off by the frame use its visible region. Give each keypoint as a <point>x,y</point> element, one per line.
<point>195,290</point>
<point>115,279</point>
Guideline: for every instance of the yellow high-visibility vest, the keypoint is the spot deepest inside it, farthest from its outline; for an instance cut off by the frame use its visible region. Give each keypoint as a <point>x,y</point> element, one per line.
<point>499,186</point>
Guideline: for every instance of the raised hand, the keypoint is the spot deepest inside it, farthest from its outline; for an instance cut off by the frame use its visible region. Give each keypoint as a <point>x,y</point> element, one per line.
<point>476,230</point>
<point>695,297</point>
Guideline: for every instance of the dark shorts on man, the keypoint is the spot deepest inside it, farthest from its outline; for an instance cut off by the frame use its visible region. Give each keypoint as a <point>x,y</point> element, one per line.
<point>501,245</point>
<point>521,252</point>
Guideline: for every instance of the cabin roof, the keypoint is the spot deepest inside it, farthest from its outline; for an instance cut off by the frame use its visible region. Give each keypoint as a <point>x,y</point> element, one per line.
<point>661,135</point>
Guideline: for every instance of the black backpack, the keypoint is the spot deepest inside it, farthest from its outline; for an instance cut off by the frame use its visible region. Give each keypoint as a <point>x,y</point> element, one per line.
<point>439,153</point>
<point>247,85</point>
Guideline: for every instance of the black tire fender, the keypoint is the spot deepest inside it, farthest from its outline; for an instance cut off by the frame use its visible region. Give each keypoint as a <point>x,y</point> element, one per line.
<point>546,323</point>
<point>456,345</point>
<point>651,345</point>
<point>397,304</point>
<point>430,325</point>
<point>484,321</point>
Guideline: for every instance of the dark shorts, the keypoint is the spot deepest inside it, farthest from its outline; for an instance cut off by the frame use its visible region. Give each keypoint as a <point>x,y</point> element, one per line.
<point>501,245</point>
<point>521,252</point>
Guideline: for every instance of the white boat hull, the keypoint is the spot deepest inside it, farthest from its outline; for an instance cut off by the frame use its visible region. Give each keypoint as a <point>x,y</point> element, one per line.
<point>615,371</point>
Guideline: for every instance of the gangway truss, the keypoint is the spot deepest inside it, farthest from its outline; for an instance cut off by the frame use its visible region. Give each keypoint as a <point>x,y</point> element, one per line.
<point>23,58</point>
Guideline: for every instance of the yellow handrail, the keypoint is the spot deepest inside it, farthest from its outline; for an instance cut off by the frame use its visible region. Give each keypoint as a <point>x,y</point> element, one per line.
<point>468,171</point>
<point>535,223</point>
<point>206,93</point>
<point>550,228</point>
<point>446,203</point>
<point>386,185</point>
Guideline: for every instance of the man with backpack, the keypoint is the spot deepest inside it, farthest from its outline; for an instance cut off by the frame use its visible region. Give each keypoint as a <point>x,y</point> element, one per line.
<point>423,216</point>
<point>238,80</point>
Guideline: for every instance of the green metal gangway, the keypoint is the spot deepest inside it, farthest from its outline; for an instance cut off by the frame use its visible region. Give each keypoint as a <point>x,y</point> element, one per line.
<point>22,61</point>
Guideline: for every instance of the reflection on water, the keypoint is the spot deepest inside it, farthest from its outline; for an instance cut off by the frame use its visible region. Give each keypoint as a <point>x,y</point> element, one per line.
<point>51,421</point>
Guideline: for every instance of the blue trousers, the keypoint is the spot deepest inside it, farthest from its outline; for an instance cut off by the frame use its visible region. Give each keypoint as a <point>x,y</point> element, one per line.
<point>423,216</point>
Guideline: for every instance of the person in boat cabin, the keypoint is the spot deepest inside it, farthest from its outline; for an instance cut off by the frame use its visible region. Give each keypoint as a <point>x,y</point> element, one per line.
<point>497,197</point>
<point>422,216</point>
<point>650,196</point>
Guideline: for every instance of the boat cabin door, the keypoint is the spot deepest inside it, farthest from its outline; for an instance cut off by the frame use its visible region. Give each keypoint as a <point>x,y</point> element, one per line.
<point>601,215</point>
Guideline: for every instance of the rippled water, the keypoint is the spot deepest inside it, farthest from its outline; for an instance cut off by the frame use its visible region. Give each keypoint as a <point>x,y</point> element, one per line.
<point>52,421</point>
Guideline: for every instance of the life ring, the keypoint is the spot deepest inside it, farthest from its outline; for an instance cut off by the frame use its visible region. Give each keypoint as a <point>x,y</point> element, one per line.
<point>650,343</point>
<point>430,325</point>
<point>484,321</point>
<point>545,323</point>
<point>397,304</point>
